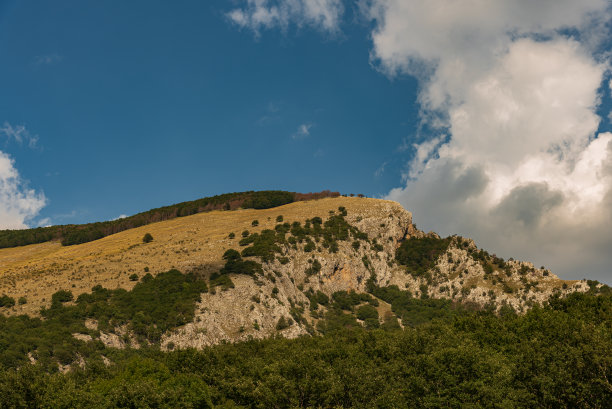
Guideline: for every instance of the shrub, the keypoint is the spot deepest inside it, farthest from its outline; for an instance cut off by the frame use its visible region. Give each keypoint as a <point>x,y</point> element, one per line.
<point>310,246</point>
<point>322,298</point>
<point>147,238</point>
<point>231,254</point>
<point>255,223</point>
<point>279,219</point>
<point>62,296</point>
<point>22,300</point>
<point>134,277</point>
<point>221,280</point>
<point>231,235</point>
<point>283,323</point>
<point>314,268</point>
<point>367,311</point>
<point>6,301</point>
<point>421,254</point>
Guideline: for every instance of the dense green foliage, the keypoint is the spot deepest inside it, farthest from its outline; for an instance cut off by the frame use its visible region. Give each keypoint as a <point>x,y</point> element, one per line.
<point>558,356</point>
<point>414,311</point>
<point>420,254</point>
<point>77,234</point>
<point>152,307</point>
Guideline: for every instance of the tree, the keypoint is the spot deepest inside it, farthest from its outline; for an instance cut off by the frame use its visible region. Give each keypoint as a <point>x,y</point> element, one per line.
<point>147,238</point>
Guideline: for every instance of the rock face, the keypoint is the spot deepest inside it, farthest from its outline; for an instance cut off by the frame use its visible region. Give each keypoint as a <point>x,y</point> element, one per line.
<point>254,307</point>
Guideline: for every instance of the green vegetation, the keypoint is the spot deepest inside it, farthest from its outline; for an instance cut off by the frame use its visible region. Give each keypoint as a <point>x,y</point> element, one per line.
<point>283,323</point>
<point>6,301</point>
<point>559,355</point>
<point>147,238</point>
<point>420,254</point>
<point>413,311</point>
<point>234,264</point>
<point>268,243</point>
<point>77,234</point>
<point>153,306</point>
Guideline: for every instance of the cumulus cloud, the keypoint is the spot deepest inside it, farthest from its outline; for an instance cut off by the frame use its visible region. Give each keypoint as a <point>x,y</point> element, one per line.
<point>265,14</point>
<point>516,161</point>
<point>302,132</point>
<point>18,203</point>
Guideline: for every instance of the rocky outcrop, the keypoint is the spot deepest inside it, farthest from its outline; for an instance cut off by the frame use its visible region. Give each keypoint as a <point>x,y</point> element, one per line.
<point>253,308</point>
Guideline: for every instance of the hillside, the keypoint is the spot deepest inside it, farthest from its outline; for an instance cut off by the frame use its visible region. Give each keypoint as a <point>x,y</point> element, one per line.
<point>371,310</point>
<point>197,243</point>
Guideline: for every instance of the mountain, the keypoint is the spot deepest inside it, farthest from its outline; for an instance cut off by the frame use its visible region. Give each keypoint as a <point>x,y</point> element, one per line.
<point>367,234</point>
<point>310,268</point>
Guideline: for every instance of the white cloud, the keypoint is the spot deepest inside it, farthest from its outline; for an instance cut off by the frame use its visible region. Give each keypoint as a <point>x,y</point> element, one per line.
<point>266,14</point>
<point>18,203</point>
<point>302,132</point>
<point>121,216</point>
<point>381,169</point>
<point>517,163</point>
<point>19,134</point>
<point>44,222</point>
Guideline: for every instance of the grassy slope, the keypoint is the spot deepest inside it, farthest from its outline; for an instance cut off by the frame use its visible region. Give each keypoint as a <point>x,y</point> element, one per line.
<point>192,242</point>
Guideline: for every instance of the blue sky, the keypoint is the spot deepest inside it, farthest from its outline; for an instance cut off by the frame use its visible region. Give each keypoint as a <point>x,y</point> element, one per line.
<point>485,119</point>
<point>141,104</point>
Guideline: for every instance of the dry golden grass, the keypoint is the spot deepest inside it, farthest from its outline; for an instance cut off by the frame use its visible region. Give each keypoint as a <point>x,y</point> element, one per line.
<point>189,243</point>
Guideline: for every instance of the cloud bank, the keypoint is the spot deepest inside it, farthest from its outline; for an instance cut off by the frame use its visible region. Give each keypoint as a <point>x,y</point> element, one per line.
<point>510,90</point>
<point>18,203</point>
<point>266,14</point>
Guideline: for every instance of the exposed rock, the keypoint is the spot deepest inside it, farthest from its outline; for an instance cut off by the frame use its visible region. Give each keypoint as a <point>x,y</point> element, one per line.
<point>250,310</point>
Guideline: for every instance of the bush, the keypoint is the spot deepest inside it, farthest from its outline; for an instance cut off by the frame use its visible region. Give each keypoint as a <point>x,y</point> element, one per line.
<point>231,254</point>
<point>310,246</point>
<point>421,254</point>
<point>134,277</point>
<point>6,301</point>
<point>147,238</point>
<point>279,219</point>
<point>283,323</point>
<point>367,311</point>
<point>22,300</point>
<point>62,296</point>
<point>255,223</point>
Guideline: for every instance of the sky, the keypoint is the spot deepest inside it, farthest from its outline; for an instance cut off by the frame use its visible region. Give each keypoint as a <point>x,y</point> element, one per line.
<point>485,118</point>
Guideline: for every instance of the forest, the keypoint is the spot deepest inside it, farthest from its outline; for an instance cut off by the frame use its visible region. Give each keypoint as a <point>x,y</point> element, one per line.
<point>556,355</point>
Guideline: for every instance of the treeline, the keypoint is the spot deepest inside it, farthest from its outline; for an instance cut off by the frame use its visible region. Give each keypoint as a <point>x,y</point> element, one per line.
<point>77,234</point>
<point>555,356</point>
